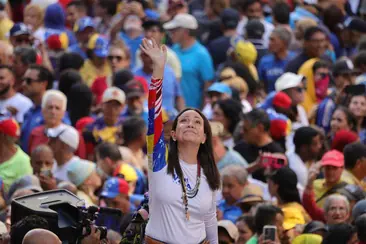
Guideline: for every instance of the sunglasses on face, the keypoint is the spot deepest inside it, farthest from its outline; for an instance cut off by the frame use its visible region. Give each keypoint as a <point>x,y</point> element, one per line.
<point>118,58</point>
<point>28,80</point>
<point>323,75</point>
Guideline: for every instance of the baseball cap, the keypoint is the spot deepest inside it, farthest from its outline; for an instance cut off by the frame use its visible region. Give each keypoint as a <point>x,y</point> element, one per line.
<point>114,94</point>
<point>333,158</point>
<point>308,238</point>
<point>282,100</point>
<point>134,89</point>
<point>288,80</point>
<point>83,23</point>
<point>359,209</point>
<point>343,66</point>
<point>314,226</point>
<point>254,29</point>
<point>30,182</point>
<point>220,88</point>
<point>20,29</point>
<point>245,51</point>
<point>65,133</point>
<point>252,193</point>
<point>291,217</point>
<point>186,21</point>
<point>9,126</point>
<point>114,186</point>
<point>128,172</point>
<point>99,44</point>
<point>355,24</point>
<point>230,228</point>
<point>230,18</point>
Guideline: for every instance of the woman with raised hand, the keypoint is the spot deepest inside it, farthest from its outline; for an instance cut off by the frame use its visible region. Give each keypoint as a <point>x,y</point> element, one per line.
<point>182,182</point>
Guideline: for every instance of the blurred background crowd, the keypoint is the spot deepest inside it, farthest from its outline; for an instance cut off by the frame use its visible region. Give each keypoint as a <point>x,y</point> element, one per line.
<point>283,83</point>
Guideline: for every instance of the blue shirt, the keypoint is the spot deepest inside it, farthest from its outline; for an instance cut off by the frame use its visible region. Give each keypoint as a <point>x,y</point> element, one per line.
<point>270,68</point>
<point>171,88</point>
<point>133,45</point>
<point>76,49</point>
<point>230,212</point>
<point>32,119</point>
<point>197,68</point>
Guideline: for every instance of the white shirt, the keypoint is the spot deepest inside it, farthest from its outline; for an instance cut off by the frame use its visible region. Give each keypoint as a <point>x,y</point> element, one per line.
<point>299,167</point>
<point>60,172</point>
<point>18,101</point>
<point>167,219</point>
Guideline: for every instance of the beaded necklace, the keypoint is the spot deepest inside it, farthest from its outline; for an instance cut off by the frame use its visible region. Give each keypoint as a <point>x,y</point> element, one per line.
<point>190,193</point>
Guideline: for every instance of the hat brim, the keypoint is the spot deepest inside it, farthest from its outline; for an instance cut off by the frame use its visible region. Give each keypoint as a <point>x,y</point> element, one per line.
<point>332,163</point>
<point>83,28</point>
<point>103,53</point>
<point>112,99</point>
<point>171,25</point>
<point>19,33</point>
<point>134,94</point>
<point>107,194</point>
<point>289,226</point>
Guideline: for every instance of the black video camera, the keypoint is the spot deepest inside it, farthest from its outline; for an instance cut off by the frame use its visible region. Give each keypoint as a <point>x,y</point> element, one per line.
<point>66,214</point>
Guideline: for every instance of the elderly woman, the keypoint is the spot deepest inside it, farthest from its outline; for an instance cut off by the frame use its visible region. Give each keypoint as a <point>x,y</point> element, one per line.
<point>53,110</point>
<point>182,182</point>
<point>234,180</point>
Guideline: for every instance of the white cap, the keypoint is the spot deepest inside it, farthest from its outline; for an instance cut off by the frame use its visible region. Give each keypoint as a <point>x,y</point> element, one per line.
<point>186,21</point>
<point>231,229</point>
<point>114,93</point>
<point>288,80</point>
<point>65,133</point>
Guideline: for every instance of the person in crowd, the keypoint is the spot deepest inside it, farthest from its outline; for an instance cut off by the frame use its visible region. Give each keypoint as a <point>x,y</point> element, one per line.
<point>28,223</point>
<point>256,139</point>
<point>84,28</point>
<point>234,181</point>
<point>228,232</point>
<point>267,215</point>
<point>360,224</point>
<point>70,61</point>
<point>336,209</point>
<point>190,149</point>
<point>271,66</point>
<point>254,31</point>
<point>282,184</point>
<point>105,12</point>
<point>342,233</point>
<point>228,112</point>
<point>217,91</point>
<point>105,127</point>
<point>54,105</point>
<point>33,17</point>
<point>42,159</point>
<point>81,97</point>
<point>40,236</point>
<point>116,194</point>
<point>84,176</point>
<point>96,65</point>
<point>246,228</point>
<point>281,15</point>
<point>354,157</point>
<point>293,86</point>
<point>343,75</point>
<point>314,46</point>
<point>23,58</point>
<point>197,65</point>
<point>14,163</point>
<point>357,106</point>
<point>308,146</point>
<point>224,156</point>
<point>20,35</point>
<point>153,29</point>
<point>67,79</point>
<point>342,138</point>
<point>5,22</point>
<point>11,101</point>
<point>342,119</point>
<point>351,30</point>
<point>6,53</point>
<point>75,10</point>
<point>219,47</point>
<point>172,94</point>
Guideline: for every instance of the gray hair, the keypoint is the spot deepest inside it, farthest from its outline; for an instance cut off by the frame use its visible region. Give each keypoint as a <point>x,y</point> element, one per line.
<point>284,34</point>
<point>334,197</point>
<point>41,148</point>
<point>54,94</point>
<point>237,171</point>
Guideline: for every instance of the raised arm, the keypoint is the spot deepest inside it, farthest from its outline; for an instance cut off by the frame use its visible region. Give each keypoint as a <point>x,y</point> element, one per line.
<point>156,149</point>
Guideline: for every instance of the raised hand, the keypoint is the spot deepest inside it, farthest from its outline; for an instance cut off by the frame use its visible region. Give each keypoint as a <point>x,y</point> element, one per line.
<point>156,52</point>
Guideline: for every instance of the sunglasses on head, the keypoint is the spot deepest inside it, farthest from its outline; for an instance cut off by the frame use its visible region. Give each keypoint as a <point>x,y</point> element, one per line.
<point>118,58</point>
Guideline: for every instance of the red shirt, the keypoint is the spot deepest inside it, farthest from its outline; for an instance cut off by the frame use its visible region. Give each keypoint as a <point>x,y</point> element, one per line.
<point>309,203</point>
<point>38,137</point>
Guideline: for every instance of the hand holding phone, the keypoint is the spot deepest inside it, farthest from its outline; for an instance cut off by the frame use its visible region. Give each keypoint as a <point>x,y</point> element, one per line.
<point>269,233</point>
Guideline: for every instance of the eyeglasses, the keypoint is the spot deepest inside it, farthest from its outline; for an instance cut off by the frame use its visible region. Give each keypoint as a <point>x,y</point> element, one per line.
<point>118,58</point>
<point>29,80</point>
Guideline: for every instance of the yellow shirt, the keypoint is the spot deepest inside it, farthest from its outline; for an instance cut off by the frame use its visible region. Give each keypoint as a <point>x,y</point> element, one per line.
<point>6,24</point>
<point>320,189</point>
<point>299,207</point>
<point>89,72</point>
<point>349,178</point>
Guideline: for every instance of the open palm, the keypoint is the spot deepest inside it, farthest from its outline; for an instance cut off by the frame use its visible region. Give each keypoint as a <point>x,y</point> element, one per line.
<point>154,51</point>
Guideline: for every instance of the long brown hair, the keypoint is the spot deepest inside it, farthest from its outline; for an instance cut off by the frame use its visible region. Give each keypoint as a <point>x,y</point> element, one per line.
<point>205,154</point>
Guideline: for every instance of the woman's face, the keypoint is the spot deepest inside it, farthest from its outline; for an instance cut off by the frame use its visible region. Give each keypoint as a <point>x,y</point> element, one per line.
<point>231,189</point>
<point>358,106</point>
<point>244,232</point>
<point>190,128</point>
<point>339,121</point>
<point>219,116</point>
<point>118,59</point>
<point>31,17</point>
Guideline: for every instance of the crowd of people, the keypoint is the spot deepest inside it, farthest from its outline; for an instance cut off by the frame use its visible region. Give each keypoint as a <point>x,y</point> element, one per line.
<point>201,121</point>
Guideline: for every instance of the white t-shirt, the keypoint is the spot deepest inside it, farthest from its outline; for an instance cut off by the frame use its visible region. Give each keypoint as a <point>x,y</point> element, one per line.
<point>18,101</point>
<point>299,167</point>
<point>60,172</point>
<point>167,219</point>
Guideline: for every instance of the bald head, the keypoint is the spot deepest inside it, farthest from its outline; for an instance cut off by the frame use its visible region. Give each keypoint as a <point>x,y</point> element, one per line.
<point>40,236</point>
<point>41,158</point>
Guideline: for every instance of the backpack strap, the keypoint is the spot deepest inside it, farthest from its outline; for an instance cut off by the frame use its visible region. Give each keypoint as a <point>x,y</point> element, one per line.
<point>332,190</point>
